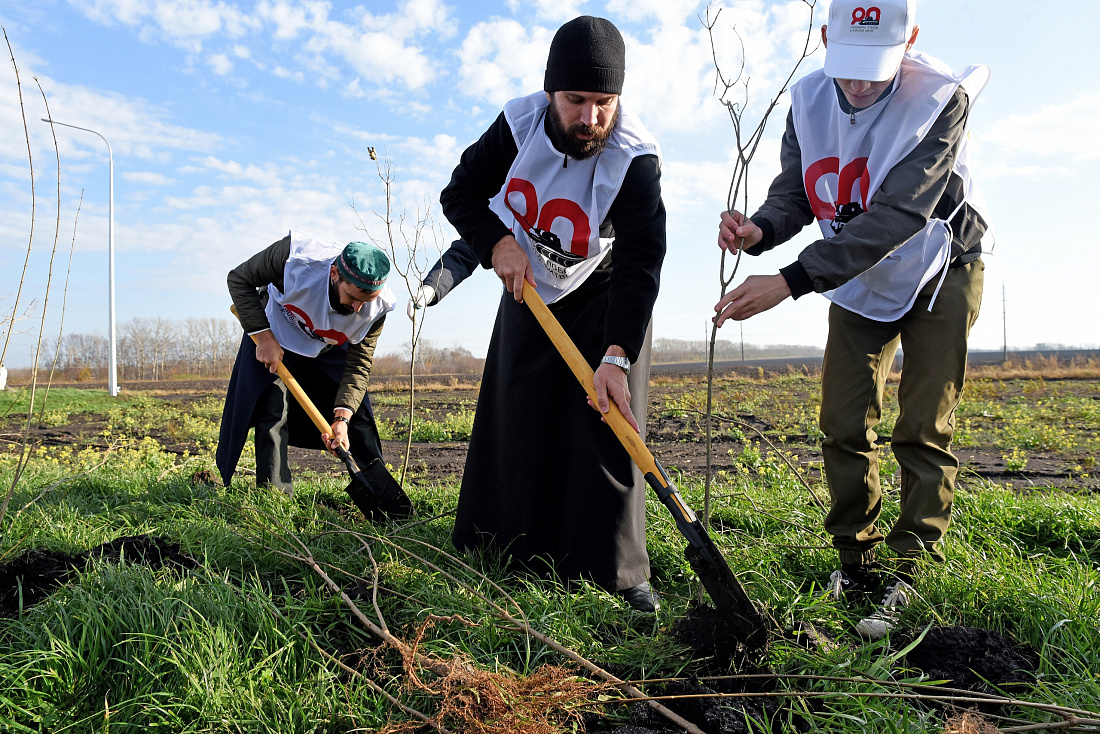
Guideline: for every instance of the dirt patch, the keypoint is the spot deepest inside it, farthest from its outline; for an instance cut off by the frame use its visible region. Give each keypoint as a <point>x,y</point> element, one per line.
<point>716,715</point>
<point>34,574</point>
<point>671,439</point>
<point>706,632</point>
<point>433,461</point>
<point>973,658</point>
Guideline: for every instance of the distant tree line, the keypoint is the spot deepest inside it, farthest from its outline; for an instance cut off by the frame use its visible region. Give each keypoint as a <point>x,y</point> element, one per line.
<point>152,349</point>
<point>161,349</point>
<point>671,351</point>
<point>430,360</point>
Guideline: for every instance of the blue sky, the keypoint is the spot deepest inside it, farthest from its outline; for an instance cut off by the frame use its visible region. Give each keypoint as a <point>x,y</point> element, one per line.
<point>233,121</point>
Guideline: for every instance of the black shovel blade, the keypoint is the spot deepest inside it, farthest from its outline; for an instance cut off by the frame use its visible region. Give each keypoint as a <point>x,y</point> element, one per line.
<point>376,493</point>
<point>393,500</point>
<point>745,621</point>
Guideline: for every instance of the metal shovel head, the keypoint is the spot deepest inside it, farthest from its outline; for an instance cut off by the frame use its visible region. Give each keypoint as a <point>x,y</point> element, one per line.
<point>377,494</point>
<point>745,621</point>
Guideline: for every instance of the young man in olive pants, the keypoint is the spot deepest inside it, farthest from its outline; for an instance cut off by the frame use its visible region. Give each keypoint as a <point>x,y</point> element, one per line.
<point>875,152</point>
<point>858,358</point>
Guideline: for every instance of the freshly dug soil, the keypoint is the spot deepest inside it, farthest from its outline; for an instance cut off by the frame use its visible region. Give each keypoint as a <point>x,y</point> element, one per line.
<point>706,632</point>
<point>35,573</point>
<point>712,715</point>
<point>967,657</point>
<point>973,658</point>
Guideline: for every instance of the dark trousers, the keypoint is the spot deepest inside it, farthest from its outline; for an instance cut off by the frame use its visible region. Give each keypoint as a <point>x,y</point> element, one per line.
<point>858,358</point>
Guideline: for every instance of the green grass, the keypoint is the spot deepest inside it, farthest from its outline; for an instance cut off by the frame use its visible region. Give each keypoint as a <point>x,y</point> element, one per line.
<point>223,648</point>
<point>61,403</point>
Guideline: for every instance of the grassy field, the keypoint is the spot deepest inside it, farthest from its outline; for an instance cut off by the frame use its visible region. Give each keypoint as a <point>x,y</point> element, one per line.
<point>247,635</point>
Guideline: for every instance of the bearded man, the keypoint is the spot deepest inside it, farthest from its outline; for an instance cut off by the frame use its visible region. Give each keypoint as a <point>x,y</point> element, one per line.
<point>538,198</point>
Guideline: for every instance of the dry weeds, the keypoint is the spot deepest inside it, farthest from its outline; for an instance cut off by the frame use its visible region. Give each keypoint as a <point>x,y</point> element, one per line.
<point>969,723</point>
<point>483,702</point>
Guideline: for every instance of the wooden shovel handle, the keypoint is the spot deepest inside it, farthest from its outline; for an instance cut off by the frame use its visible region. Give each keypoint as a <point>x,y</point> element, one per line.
<point>629,438</point>
<point>297,391</point>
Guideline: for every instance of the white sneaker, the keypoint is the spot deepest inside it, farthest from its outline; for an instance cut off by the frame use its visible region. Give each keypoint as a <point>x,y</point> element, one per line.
<point>898,596</point>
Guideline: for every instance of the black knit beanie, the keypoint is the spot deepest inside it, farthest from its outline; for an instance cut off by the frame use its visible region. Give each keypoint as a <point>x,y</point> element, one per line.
<point>586,55</point>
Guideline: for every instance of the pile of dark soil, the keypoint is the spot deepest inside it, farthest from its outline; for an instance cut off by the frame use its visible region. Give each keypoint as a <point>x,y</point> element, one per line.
<point>716,652</point>
<point>730,715</point>
<point>34,574</point>
<point>967,657</point>
<point>973,658</point>
<point>706,632</point>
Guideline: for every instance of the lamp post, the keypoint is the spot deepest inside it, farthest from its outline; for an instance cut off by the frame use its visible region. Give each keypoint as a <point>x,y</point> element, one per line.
<point>112,362</point>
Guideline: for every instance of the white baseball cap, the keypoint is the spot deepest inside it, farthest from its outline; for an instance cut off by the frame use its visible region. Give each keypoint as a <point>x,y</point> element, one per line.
<point>867,38</point>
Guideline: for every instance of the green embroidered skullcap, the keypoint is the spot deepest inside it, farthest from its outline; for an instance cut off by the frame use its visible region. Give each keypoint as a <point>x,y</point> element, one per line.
<point>364,266</point>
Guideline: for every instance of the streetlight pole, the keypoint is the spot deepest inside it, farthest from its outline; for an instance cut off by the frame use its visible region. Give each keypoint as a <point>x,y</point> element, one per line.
<point>112,361</point>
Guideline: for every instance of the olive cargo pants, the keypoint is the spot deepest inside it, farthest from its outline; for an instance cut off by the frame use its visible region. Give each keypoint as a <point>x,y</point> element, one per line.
<point>858,357</point>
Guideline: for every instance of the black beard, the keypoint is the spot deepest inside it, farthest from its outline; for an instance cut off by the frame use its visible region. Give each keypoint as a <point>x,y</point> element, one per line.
<point>334,300</point>
<point>567,142</point>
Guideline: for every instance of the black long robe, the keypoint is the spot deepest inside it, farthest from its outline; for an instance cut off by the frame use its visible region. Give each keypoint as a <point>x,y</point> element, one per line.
<point>319,376</point>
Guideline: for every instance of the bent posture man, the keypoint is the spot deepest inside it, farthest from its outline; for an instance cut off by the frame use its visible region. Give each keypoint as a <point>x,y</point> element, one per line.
<point>535,198</point>
<point>319,308</point>
<point>875,151</point>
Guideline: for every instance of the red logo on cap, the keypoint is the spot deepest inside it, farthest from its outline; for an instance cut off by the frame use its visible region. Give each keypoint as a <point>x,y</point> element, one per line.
<point>870,16</point>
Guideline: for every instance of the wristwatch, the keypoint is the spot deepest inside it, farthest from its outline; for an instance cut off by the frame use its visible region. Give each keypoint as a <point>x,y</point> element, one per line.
<point>622,362</point>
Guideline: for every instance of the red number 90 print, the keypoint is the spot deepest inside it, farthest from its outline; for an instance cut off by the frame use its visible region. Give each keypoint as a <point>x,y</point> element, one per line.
<point>550,211</point>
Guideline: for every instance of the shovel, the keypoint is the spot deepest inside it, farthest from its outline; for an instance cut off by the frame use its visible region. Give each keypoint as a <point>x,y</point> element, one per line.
<point>746,622</point>
<point>374,491</point>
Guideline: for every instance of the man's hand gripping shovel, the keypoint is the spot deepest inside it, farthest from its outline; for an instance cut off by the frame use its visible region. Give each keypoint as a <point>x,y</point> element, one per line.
<point>374,491</point>
<point>746,622</point>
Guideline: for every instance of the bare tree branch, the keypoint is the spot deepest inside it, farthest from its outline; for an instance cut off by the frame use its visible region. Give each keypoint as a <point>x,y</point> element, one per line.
<point>30,239</point>
<point>746,144</point>
<point>408,249</point>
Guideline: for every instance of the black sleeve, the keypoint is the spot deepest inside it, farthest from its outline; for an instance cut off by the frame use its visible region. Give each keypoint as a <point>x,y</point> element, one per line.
<point>476,179</point>
<point>638,216</point>
<point>456,264</point>
<point>264,268</point>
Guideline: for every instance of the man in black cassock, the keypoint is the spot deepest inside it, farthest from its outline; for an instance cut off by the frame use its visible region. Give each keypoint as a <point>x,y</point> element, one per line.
<point>539,197</point>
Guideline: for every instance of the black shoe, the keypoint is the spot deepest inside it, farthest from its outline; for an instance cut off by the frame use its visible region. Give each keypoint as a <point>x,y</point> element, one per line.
<point>855,578</point>
<point>642,597</point>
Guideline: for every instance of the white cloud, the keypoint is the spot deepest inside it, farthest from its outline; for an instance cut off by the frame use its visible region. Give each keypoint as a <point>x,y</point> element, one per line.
<point>1058,132</point>
<point>670,69</point>
<point>553,10</point>
<point>667,79</point>
<point>251,172</point>
<point>220,64</point>
<point>693,187</point>
<point>282,73</point>
<point>133,126</point>
<point>380,48</point>
<point>501,59</point>
<point>186,23</point>
<point>147,178</point>
<point>666,11</point>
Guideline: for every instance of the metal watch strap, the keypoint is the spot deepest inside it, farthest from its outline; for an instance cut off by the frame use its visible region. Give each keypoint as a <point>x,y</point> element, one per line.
<point>622,362</point>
